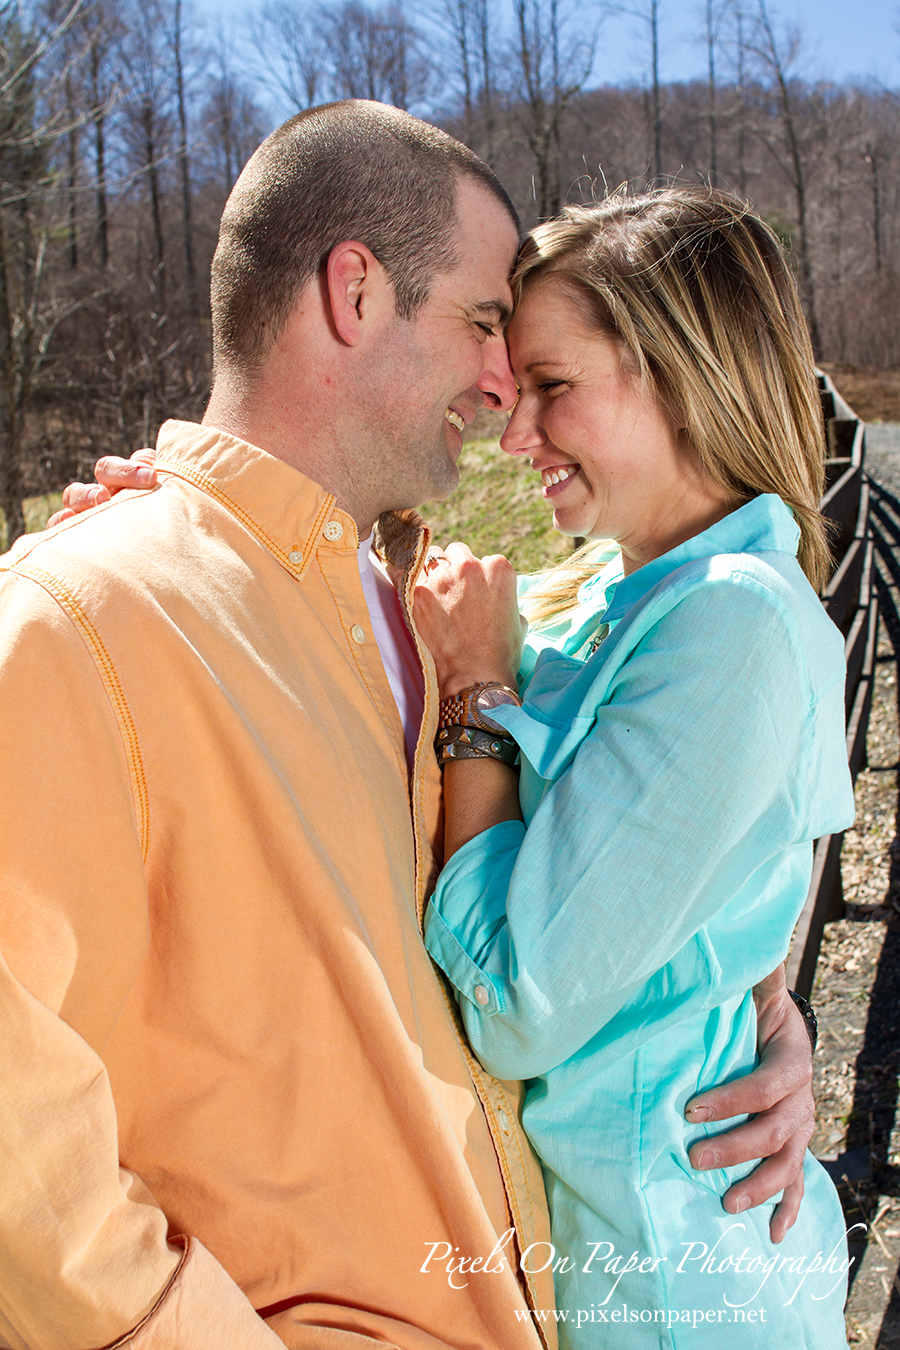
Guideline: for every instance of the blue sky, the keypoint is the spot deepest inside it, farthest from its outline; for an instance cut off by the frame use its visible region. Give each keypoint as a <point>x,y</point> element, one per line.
<point>842,39</point>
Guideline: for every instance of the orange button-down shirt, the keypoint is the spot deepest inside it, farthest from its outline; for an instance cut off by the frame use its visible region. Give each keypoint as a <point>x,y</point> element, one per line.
<point>235,1105</point>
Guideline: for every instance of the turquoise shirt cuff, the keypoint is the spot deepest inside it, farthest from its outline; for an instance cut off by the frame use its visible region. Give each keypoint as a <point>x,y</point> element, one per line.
<point>460,931</point>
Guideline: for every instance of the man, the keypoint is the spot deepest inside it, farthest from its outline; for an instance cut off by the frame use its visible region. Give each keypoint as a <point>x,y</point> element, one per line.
<point>236,1106</point>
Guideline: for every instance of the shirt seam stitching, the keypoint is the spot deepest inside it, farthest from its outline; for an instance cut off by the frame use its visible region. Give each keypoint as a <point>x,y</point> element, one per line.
<point>213,490</point>
<point>110,680</point>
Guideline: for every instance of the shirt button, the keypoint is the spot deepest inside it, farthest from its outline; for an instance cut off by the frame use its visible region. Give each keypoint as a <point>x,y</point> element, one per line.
<point>358,633</point>
<point>504,1121</point>
<point>295,557</point>
<point>481,995</point>
<point>333,531</point>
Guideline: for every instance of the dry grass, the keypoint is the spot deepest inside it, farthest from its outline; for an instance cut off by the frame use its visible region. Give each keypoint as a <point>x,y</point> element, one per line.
<point>874,395</point>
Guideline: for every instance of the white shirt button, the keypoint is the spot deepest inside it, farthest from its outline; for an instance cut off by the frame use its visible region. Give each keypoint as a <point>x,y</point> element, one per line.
<point>504,1121</point>
<point>481,995</point>
<point>333,531</point>
<point>295,557</point>
<point>358,633</point>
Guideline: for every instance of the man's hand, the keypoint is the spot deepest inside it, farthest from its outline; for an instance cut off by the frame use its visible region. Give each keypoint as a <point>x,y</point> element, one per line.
<point>778,1092</point>
<point>113,475</point>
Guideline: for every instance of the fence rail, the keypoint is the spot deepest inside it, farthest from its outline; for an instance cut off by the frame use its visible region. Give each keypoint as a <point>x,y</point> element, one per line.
<point>850,602</point>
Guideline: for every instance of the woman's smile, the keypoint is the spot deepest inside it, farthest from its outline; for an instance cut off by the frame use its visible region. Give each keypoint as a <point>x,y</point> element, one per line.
<point>554,479</point>
<point>613,461</point>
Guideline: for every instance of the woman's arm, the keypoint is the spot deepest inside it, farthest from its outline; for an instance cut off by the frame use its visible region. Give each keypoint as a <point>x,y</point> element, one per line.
<point>779,1089</point>
<point>684,787</point>
<point>468,616</point>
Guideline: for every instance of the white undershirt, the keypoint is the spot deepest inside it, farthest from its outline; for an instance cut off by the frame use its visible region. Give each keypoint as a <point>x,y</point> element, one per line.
<point>395,644</point>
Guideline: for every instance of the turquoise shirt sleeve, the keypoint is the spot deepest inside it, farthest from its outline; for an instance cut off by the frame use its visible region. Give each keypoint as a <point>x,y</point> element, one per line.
<point>705,744</point>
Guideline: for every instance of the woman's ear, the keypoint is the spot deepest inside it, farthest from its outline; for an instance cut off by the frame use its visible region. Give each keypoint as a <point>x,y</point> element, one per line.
<point>356,288</point>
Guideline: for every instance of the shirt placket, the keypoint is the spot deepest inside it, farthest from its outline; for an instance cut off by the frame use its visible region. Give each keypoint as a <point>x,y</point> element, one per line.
<point>337,556</point>
<point>501,1102</point>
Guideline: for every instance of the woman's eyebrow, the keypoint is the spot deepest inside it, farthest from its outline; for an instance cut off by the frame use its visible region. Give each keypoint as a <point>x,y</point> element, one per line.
<point>544,361</point>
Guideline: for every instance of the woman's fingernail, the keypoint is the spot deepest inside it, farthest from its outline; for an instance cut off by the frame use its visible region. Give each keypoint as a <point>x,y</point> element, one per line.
<point>697,1113</point>
<point>742,1203</point>
<point>144,477</point>
<point>708,1158</point>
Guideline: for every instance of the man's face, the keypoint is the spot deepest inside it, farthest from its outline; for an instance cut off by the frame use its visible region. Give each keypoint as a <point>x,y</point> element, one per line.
<point>436,371</point>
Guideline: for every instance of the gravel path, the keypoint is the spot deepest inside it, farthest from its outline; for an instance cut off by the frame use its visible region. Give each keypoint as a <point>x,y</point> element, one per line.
<point>883,453</point>
<point>857,991</point>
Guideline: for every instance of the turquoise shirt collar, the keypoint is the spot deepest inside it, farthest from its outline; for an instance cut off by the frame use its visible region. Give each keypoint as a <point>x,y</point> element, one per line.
<point>763,525</point>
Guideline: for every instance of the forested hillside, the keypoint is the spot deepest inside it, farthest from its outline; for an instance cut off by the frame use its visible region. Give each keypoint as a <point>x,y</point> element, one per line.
<point>123,124</point>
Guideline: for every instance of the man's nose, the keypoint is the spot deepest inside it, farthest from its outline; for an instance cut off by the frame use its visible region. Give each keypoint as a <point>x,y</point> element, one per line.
<point>496,381</point>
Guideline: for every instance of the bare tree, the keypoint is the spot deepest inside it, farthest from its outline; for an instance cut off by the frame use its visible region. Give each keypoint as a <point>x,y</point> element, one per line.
<point>467,27</point>
<point>29,309</point>
<point>714,17</point>
<point>552,58</point>
<point>740,62</point>
<point>99,30</point>
<point>233,121</point>
<point>291,50</point>
<point>146,117</point>
<point>788,150</point>
<point>176,38</point>
<point>375,53</point>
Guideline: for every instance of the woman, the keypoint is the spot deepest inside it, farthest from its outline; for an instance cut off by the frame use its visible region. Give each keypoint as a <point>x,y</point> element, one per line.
<point>604,916</point>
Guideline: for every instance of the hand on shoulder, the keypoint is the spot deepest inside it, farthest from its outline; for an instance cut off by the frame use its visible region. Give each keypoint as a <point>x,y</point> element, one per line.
<point>113,475</point>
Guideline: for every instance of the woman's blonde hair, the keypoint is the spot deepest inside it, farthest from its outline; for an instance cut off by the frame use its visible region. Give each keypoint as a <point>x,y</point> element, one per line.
<point>700,292</point>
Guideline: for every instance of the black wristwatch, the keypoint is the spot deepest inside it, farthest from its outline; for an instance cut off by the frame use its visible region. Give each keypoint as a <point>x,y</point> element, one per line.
<point>809,1017</point>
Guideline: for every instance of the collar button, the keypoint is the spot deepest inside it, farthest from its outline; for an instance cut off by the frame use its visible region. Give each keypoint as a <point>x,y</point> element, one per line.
<point>295,556</point>
<point>333,531</point>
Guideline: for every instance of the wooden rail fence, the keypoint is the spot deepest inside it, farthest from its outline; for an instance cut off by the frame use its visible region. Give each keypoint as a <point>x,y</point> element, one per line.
<point>851,603</point>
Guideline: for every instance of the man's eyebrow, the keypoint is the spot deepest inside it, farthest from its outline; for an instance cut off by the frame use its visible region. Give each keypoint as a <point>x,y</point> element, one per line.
<point>501,313</point>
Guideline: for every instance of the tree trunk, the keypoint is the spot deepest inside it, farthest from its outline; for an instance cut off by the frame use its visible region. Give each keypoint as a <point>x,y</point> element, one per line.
<point>193,302</point>
<point>711,55</point>
<point>11,487</point>
<point>100,159</point>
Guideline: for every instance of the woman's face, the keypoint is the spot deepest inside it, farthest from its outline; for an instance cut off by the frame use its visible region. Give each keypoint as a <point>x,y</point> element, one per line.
<point>613,462</point>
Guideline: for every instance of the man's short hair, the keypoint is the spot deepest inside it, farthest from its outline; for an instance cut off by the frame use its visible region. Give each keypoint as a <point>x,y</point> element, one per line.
<point>349,170</point>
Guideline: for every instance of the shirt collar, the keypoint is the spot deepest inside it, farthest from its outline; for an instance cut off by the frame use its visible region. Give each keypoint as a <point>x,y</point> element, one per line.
<point>288,513</point>
<point>763,525</point>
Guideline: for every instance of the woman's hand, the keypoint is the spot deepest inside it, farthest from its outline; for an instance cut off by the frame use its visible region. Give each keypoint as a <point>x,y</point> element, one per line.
<point>467,614</point>
<point>113,475</point>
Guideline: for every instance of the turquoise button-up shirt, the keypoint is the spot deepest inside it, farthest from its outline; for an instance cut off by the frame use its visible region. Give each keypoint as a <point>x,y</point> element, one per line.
<point>672,784</point>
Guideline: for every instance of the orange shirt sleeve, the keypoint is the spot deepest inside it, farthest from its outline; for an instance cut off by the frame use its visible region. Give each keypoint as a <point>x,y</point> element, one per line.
<point>85,1255</point>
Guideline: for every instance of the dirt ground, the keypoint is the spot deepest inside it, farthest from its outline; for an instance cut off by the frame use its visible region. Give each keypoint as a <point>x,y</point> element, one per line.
<point>874,395</point>
<point>857,990</point>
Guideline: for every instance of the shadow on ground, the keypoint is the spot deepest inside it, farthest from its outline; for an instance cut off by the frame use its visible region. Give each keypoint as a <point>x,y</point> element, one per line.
<point>877,1069</point>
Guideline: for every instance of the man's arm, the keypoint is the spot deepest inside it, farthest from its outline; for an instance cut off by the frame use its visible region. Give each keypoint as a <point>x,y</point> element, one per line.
<point>506,941</point>
<point>779,1094</point>
<point>86,1256</point>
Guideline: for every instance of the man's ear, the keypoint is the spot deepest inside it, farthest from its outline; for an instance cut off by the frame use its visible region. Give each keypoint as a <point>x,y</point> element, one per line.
<point>357,287</point>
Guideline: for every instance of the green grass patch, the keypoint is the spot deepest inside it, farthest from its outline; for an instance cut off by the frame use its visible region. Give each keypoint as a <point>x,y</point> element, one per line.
<point>498,508</point>
<point>38,511</point>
